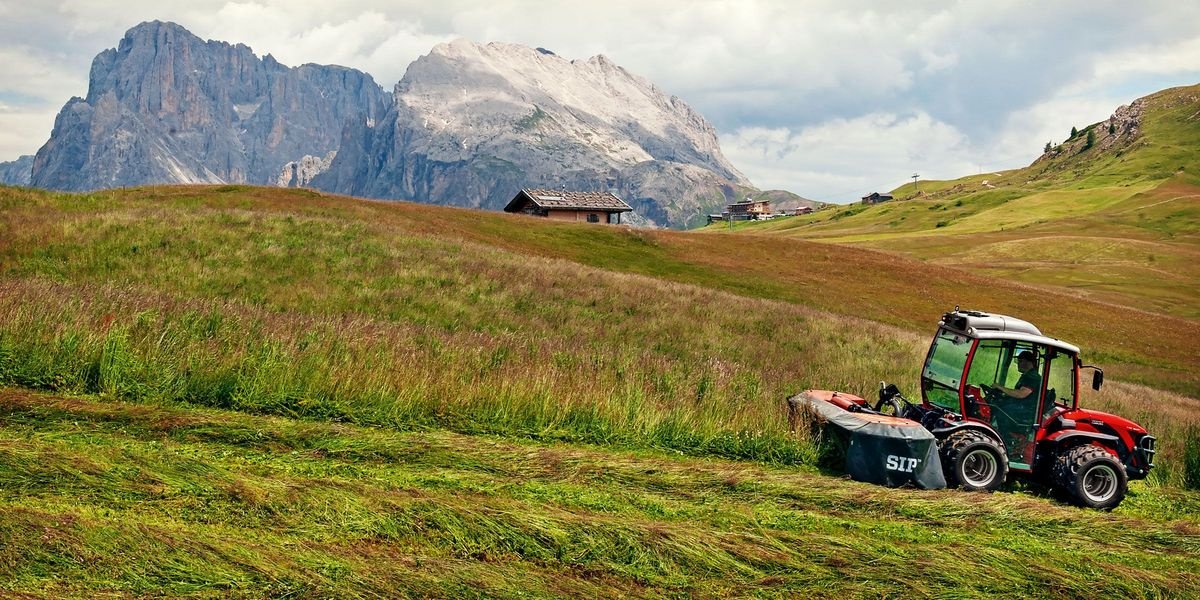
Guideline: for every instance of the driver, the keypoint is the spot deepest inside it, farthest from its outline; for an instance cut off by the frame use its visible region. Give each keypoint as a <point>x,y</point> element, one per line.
<point>1010,421</point>
<point>1030,381</point>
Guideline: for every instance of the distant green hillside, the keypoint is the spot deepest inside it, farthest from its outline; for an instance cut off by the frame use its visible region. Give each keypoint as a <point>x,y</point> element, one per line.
<point>1118,221</point>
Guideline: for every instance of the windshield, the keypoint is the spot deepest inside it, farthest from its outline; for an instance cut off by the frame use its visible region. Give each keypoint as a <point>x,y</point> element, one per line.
<point>944,369</point>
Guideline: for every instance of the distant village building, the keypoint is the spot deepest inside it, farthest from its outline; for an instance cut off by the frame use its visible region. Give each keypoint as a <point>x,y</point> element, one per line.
<point>876,198</point>
<point>755,210</point>
<point>796,212</point>
<point>747,210</point>
<point>564,205</point>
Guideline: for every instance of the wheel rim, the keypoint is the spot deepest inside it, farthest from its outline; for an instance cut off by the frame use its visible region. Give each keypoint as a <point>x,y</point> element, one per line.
<point>1100,483</point>
<point>979,468</point>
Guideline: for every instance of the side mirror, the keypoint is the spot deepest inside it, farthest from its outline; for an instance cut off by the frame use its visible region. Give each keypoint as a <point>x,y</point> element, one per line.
<point>1097,379</point>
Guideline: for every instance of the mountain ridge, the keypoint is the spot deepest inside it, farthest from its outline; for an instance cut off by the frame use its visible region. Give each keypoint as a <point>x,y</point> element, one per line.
<point>166,106</point>
<point>472,123</point>
<point>467,125</point>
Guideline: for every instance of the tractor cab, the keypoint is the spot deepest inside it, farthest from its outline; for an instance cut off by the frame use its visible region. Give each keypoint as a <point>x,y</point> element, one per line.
<point>1002,373</point>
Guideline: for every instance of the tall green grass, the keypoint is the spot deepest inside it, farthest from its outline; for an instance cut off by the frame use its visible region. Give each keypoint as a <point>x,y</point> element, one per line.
<point>716,389</point>
<point>1191,458</point>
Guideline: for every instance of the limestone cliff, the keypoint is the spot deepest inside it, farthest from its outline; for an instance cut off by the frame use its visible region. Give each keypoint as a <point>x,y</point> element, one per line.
<point>168,107</point>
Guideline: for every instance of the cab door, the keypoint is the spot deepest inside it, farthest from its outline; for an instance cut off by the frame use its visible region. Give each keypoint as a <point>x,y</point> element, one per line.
<point>995,364</point>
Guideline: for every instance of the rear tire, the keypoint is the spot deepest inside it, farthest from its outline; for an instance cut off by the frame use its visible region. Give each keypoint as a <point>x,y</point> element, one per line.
<point>973,461</point>
<point>1092,477</point>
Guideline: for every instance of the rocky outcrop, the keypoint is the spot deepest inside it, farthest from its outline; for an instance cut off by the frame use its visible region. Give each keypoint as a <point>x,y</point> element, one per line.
<point>1120,130</point>
<point>168,107</point>
<point>16,172</point>
<point>299,173</point>
<point>471,124</point>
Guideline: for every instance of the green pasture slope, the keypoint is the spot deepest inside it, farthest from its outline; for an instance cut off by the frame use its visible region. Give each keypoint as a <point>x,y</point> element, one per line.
<point>1117,222</point>
<point>249,392</point>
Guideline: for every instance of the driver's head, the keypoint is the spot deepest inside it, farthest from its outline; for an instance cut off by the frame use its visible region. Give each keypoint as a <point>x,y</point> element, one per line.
<point>1026,360</point>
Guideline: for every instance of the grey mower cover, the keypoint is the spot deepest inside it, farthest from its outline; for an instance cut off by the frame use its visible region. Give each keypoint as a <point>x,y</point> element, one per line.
<point>885,450</point>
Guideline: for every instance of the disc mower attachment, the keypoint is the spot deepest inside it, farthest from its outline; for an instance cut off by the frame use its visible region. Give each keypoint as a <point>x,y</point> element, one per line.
<point>881,449</point>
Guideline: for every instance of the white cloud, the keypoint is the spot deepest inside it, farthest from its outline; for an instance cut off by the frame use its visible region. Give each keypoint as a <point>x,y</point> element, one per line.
<point>1026,131</point>
<point>370,41</point>
<point>1181,57</point>
<point>19,125</point>
<point>844,159</point>
<point>40,77</point>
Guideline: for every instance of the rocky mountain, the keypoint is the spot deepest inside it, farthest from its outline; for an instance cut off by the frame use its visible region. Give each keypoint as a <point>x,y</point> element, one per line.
<point>300,173</point>
<point>468,125</point>
<point>168,107</point>
<point>471,124</point>
<point>16,172</point>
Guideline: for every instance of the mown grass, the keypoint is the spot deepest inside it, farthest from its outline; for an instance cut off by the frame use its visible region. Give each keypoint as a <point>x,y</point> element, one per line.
<point>101,497</point>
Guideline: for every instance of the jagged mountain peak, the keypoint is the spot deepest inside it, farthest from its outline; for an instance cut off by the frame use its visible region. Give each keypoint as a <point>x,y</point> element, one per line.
<point>473,122</point>
<point>165,106</point>
<point>479,92</point>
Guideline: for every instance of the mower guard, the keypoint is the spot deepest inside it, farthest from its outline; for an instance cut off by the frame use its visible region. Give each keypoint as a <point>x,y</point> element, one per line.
<point>882,449</point>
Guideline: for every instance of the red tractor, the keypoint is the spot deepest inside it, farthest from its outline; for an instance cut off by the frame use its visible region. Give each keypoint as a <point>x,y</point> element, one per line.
<point>1001,398</point>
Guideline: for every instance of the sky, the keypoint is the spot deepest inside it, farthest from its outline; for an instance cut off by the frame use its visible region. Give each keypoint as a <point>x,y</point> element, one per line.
<point>828,99</point>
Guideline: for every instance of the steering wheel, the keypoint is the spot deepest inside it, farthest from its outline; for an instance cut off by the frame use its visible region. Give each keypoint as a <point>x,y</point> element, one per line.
<point>991,394</point>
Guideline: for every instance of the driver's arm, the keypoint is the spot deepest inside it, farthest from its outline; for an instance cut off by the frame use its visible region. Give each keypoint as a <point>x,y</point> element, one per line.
<point>1019,393</point>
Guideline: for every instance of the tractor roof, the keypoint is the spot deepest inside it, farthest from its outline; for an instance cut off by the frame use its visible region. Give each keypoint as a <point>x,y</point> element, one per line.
<point>999,327</point>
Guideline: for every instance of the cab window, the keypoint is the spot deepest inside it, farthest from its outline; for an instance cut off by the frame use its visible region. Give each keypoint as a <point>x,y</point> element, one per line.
<point>995,364</point>
<point>943,369</point>
<point>1060,382</point>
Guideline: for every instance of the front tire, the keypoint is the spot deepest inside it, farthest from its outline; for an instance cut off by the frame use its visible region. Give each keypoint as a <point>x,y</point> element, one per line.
<point>973,461</point>
<point>1092,476</point>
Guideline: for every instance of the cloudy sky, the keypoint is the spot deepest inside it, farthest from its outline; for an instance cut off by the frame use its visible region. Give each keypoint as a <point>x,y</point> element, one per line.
<point>829,99</point>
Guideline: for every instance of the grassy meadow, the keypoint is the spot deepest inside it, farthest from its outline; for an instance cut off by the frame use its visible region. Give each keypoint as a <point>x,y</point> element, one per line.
<point>1118,224</point>
<point>256,392</point>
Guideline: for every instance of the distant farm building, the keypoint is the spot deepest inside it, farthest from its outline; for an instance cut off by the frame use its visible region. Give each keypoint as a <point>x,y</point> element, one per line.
<point>795,212</point>
<point>756,210</point>
<point>748,209</point>
<point>876,198</point>
<point>564,205</point>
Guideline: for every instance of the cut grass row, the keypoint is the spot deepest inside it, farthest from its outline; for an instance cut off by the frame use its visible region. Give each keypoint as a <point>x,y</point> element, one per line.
<point>101,497</point>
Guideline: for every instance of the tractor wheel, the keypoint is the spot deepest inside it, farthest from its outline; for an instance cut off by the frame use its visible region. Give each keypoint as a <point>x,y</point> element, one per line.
<point>1092,476</point>
<point>973,461</point>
